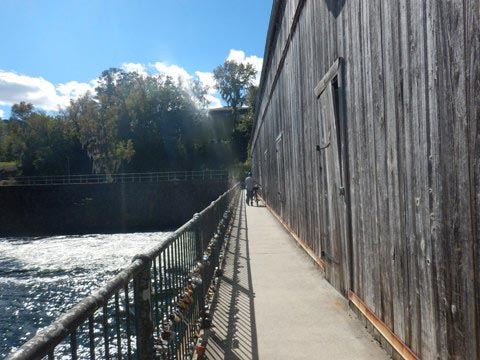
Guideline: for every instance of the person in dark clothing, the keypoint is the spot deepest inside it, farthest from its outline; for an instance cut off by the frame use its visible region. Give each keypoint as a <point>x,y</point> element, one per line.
<point>249,185</point>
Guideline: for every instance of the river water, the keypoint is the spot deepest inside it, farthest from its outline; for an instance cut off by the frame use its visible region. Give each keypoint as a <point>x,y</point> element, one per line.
<point>40,278</point>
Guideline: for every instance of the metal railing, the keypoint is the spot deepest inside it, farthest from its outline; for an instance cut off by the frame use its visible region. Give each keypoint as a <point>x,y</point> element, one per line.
<point>143,312</point>
<point>147,177</point>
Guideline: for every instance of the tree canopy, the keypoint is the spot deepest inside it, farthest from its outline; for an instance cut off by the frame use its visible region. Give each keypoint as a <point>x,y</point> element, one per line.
<point>233,81</point>
<point>131,123</point>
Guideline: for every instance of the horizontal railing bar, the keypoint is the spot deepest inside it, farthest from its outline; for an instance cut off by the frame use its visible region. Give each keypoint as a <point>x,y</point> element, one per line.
<point>121,177</point>
<point>121,174</point>
<point>113,177</point>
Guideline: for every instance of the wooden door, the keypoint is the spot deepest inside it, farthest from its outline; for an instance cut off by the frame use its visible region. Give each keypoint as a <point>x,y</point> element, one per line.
<point>335,207</point>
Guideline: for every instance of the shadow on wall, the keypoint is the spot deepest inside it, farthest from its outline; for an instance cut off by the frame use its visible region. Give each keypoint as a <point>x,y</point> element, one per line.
<point>335,6</point>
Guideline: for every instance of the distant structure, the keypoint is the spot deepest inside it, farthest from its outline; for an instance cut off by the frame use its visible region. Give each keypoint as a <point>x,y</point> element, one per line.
<point>367,145</point>
<point>222,119</point>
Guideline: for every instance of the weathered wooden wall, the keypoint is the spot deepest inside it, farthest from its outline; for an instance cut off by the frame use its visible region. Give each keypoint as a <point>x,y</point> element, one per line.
<point>405,235</point>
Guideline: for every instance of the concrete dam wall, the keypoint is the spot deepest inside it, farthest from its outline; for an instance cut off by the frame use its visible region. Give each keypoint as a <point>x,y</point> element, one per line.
<point>103,208</point>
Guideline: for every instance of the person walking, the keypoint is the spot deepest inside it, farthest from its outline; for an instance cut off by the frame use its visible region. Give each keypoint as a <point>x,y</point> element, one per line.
<point>249,185</point>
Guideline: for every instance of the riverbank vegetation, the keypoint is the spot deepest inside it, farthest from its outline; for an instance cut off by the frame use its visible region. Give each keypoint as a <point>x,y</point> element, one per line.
<point>133,123</point>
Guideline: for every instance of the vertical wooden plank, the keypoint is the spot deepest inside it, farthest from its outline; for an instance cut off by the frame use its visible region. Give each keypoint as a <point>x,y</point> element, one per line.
<point>302,213</point>
<point>349,92</point>
<point>357,154</point>
<point>297,136</point>
<point>409,103</point>
<point>401,254</point>
<point>423,186</point>
<point>383,244</point>
<point>420,144</point>
<point>318,72</point>
<point>311,131</point>
<point>341,31</point>
<point>346,91</point>
<point>472,73</point>
<point>435,183</point>
<point>372,296</point>
<point>456,230</point>
<point>361,78</point>
<point>390,40</point>
<point>309,149</point>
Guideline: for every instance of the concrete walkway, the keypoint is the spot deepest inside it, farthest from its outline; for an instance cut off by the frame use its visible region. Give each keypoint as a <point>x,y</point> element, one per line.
<point>273,302</point>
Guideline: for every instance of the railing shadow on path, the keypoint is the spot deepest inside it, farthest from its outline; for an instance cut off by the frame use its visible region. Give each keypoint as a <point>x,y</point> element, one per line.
<point>234,335</point>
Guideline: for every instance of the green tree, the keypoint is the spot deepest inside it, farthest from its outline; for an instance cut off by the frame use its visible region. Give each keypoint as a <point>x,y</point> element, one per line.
<point>96,124</point>
<point>46,142</point>
<point>40,143</point>
<point>11,141</point>
<point>21,111</point>
<point>233,80</point>
<point>242,133</point>
<point>140,123</point>
<point>164,117</point>
<point>199,92</point>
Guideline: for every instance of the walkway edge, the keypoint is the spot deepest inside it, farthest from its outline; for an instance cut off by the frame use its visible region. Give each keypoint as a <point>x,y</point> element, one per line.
<point>398,345</point>
<point>302,243</point>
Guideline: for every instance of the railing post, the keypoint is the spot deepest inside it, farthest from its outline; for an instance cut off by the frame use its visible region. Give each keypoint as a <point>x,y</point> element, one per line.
<point>143,311</point>
<point>198,238</point>
<point>199,256</point>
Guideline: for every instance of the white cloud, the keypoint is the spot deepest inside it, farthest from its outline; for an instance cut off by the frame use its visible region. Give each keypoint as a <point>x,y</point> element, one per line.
<point>2,113</point>
<point>75,89</point>
<point>15,88</point>
<point>36,90</point>
<point>236,55</point>
<point>213,97</point>
<point>240,57</point>
<point>134,67</point>
<point>176,72</point>
<point>214,102</point>
<point>206,78</point>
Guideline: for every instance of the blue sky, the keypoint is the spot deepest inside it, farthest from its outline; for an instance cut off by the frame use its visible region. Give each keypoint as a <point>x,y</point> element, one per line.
<point>53,50</point>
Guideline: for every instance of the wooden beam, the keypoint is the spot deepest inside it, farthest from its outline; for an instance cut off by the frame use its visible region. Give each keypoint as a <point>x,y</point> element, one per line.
<point>331,73</point>
<point>400,347</point>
